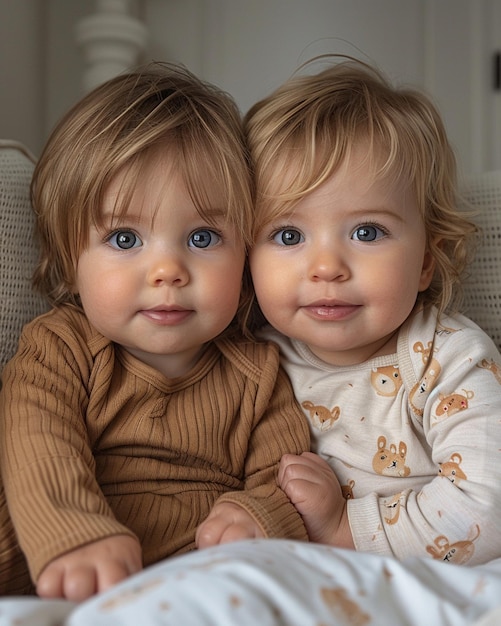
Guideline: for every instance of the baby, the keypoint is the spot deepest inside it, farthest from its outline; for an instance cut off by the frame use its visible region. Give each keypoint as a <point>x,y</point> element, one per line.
<point>358,255</point>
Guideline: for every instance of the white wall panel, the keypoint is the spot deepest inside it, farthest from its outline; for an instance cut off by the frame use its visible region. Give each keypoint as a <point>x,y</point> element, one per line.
<point>248,47</point>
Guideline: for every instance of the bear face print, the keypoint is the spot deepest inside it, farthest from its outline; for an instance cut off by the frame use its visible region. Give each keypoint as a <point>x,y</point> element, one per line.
<point>389,462</point>
<point>452,470</point>
<point>425,352</point>
<point>393,506</point>
<point>386,381</point>
<point>453,403</point>
<point>421,390</point>
<point>320,416</point>
<point>347,490</point>
<point>459,552</point>
<point>492,366</point>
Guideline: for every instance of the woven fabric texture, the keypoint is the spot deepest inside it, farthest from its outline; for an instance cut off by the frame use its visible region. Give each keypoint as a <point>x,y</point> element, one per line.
<point>483,286</point>
<point>18,252</point>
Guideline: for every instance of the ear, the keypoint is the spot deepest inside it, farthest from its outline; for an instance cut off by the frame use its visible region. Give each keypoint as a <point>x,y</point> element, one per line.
<point>427,271</point>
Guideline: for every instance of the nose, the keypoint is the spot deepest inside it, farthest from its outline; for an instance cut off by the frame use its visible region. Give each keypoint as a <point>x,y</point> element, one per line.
<point>327,264</point>
<point>167,268</point>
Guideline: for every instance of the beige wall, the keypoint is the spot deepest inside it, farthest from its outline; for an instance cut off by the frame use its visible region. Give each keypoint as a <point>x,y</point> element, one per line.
<point>250,46</point>
<point>22,80</point>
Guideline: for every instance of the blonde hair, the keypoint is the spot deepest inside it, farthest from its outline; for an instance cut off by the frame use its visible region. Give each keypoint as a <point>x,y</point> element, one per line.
<point>300,134</point>
<point>125,124</point>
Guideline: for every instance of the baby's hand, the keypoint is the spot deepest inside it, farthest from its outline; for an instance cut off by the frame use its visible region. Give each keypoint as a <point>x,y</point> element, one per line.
<point>95,567</point>
<point>225,523</point>
<point>314,490</point>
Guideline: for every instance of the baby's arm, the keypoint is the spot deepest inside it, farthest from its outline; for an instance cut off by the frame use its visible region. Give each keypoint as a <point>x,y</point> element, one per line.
<point>45,448</point>
<point>430,512</point>
<point>227,522</point>
<point>271,425</point>
<point>314,490</point>
<point>93,568</point>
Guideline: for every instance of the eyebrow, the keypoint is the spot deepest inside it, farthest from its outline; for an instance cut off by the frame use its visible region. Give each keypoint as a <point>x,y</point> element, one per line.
<point>215,212</point>
<point>361,214</point>
<point>379,211</point>
<point>135,218</point>
<point>110,216</point>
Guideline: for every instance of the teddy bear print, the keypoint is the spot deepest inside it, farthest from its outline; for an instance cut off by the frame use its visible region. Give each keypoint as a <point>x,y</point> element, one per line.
<point>389,462</point>
<point>425,353</point>
<point>421,390</point>
<point>321,417</point>
<point>459,552</point>
<point>131,594</point>
<point>386,380</point>
<point>453,403</point>
<point>393,506</point>
<point>451,469</point>
<point>347,490</point>
<point>492,366</point>
<point>343,607</point>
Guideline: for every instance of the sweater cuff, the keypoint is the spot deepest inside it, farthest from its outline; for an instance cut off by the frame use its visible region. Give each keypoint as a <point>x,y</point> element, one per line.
<point>277,517</point>
<point>366,525</point>
<point>101,529</point>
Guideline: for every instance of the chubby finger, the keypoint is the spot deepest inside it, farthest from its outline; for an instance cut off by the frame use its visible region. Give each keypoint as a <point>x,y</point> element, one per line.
<point>50,582</point>
<point>209,532</point>
<point>237,532</point>
<point>294,467</point>
<point>111,575</point>
<point>79,583</point>
<point>286,462</point>
<point>312,460</point>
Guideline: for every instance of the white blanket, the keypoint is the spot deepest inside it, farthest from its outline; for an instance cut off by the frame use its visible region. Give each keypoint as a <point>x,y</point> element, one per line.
<point>272,582</point>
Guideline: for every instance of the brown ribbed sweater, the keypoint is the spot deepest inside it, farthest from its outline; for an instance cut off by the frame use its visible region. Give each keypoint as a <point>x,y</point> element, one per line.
<point>95,443</point>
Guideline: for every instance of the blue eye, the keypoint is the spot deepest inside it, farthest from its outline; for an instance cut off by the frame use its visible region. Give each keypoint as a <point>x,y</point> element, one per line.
<point>203,239</point>
<point>124,240</point>
<point>288,237</point>
<point>368,232</point>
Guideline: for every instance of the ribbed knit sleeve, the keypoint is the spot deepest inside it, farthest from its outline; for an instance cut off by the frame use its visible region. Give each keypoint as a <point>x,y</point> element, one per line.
<point>279,428</point>
<point>44,443</point>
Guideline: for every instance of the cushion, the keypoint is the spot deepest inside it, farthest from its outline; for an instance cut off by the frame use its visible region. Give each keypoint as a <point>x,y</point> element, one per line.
<point>483,286</point>
<point>18,251</point>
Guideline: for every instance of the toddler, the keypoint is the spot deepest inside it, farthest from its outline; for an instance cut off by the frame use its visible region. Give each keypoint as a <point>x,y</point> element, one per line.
<point>358,255</point>
<point>137,421</point>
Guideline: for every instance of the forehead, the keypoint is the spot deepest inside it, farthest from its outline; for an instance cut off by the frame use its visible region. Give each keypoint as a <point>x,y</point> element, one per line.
<point>352,192</point>
<point>145,183</point>
<point>362,168</point>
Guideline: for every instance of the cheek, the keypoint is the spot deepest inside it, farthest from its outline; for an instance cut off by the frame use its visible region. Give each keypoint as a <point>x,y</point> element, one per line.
<point>223,285</point>
<point>261,280</point>
<point>96,301</point>
<point>272,286</point>
<point>104,293</point>
<point>394,289</point>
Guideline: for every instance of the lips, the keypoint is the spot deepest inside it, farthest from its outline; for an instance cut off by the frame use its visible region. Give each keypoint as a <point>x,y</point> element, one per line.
<point>331,310</point>
<point>167,315</point>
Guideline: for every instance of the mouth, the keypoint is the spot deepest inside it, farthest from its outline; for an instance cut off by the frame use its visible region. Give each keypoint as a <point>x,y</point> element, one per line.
<point>167,315</point>
<point>331,310</point>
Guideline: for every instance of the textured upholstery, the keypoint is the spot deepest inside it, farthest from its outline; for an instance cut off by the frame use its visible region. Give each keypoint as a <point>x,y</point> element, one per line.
<point>18,252</point>
<point>483,287</point>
